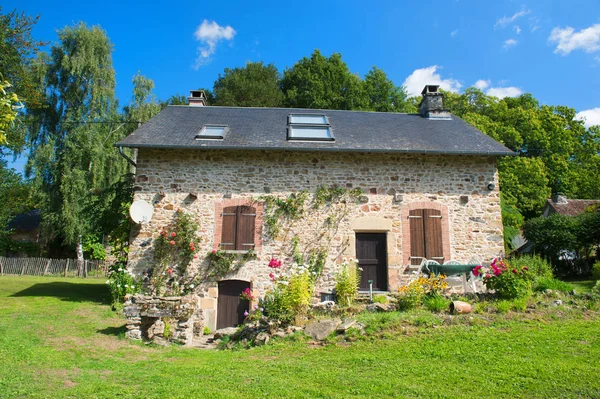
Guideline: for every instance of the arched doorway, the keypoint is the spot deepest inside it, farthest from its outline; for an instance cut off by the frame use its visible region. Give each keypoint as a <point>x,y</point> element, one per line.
<point>230,307</point>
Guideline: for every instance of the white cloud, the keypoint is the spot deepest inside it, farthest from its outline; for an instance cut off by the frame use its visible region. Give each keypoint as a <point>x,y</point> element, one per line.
<point>454,33</point>
<point>482,84</point>
<point>509,43</point>
<point>415,82</point>
<point>502,22</point>
<point>534,24</point>
<point>209,34</point>
<point>591,117</point>
<point>502,92</point>
<point>517,29</point>
<point>568,39</point>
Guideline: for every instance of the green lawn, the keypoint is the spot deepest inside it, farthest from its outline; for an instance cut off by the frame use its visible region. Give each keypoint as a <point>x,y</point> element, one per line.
<point>59,339</point>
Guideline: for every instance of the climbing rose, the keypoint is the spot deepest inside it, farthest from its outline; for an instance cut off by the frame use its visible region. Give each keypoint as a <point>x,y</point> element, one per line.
<point>272,276</point>
<point>172,242</point>
<point>514,271</point>
<point>195,256</point>
<point>214,251</point>
<point>476,270</point>
<point>173,234</point>
<point>274,263</point>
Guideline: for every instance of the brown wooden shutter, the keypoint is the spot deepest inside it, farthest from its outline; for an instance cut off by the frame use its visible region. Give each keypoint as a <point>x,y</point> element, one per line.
<point>245,227</point>
<point>432,220</point>
<point>417,240</point>
<point>229,227</point>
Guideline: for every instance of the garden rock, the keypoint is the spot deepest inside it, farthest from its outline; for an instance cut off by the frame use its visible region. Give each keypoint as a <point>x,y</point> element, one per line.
<point>262,338</point>
<point>379,307</point>
<point>225,331</point>
<point>558,302</point>
<point>348,323</point>
<point>325,305</point>
<point>321,329</point>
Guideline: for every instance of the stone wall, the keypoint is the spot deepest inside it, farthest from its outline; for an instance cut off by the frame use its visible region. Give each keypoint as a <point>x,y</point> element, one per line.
<point>163,319</point>
<point>393,184</point>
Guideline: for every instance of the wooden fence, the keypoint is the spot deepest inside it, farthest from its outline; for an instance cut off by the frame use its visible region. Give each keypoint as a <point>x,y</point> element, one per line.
<point>52,267</point>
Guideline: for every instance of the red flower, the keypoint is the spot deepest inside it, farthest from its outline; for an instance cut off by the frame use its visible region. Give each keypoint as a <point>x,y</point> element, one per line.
<point>170,271</point>
<point>214,251</point>
<point>514,271</point>
<point>195,256</point>
<point>274,263</point>
<point>525,268</point>
<point>272,276</point>
<point>172,242</point>
<point>476,270</point>
<point>173,234</point>
<point>488,276</point>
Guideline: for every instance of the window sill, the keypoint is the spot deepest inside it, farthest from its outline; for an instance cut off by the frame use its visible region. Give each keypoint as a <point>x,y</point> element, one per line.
<point>235,251</point>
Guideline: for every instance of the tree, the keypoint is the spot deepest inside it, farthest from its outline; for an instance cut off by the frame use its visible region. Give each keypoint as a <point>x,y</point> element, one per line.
<point>253,85</point>
<point>17,49</point>
<point>72,158</point>
<point>325,83</point>
<point>8,109</point>
<point>383,95</point>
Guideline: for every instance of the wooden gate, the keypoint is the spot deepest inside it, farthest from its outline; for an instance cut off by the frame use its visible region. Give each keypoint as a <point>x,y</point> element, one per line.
<point>230,307</point>
<point>371,252</point>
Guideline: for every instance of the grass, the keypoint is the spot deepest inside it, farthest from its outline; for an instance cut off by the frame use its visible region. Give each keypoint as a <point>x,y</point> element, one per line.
<point>59,339</point>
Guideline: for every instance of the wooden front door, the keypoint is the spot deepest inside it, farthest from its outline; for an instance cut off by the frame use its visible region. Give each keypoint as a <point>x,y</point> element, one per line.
<point>230,307</point>
<point>371,253</point>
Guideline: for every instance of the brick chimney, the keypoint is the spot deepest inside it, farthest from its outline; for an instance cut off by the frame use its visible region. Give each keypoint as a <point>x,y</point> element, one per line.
<point>432,104</point>
<point>197,98</point>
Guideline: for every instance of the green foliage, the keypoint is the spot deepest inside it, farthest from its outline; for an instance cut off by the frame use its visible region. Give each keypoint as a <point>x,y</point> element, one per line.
<point>206,330</point>
<point>289,301</point>
<point>279,210</point>
<point>383,95</point>
<point>413,294</point>
<point>508,281</point>
<point>596,271</point>
<point>436,303</point>
<point>222,263</point>
<point>380,299</point>
<point>253,85</point>
<point>93,248</point>
<point>538,266</point>
<point>9,103</point>
<point>121,282</point>
<point>543,283</point>
<point>347,280</point>
<point>504,306</point>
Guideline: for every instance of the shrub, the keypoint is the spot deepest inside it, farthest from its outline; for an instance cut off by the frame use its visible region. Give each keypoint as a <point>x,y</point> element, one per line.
<point>289,301</point>
<point>347,280</point>
<point>544,283</point>
<point>503,306</point>
<point>508,282</point>
<point>380,299</point>
<point>412,295</point>
<point>538,267</point>
<point>436,304</point>
<point>120,283</point>
<point>596,271</point>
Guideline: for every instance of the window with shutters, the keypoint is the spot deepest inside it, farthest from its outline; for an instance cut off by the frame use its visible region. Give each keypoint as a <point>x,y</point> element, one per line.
<point>238,228</point>
<point>425,235</point>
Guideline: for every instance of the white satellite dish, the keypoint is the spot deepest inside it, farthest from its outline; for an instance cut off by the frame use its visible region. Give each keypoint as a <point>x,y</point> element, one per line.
<point>141,211</point>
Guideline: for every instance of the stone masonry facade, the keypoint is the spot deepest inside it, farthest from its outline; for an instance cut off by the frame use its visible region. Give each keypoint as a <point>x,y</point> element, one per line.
<point>202,182</point>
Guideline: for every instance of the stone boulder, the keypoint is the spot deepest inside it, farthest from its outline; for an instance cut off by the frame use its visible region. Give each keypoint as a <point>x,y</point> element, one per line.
<point>320,329</point>
<point>224,331</point>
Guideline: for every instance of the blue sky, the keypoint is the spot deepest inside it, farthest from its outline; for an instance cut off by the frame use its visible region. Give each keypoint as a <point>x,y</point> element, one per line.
<point>548,48</point>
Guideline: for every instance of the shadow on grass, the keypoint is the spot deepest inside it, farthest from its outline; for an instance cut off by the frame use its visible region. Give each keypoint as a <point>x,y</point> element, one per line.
<point>115,331</point>
<point>67,292</point>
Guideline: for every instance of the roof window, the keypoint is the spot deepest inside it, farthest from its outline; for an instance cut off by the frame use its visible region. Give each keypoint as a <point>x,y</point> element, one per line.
<point>213,132</point>
<point>309,127</point>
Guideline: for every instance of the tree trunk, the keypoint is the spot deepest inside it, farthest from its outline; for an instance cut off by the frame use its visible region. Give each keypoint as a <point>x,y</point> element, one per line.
<point>80,263</point>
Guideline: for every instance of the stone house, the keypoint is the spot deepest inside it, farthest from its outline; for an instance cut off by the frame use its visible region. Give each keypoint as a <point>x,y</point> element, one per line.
<point>430,184</point>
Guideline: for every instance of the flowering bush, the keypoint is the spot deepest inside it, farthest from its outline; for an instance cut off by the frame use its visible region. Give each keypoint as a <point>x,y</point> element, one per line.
<point>412,295</point>
<point>347,280</point>
<point>120,283</point>
<point>508,282</point>
<point>174,250</point>
<point>246,295</point>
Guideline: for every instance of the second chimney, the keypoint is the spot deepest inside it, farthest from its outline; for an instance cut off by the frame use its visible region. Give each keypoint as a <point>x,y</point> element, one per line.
<point>432,104</point>
<point>197,98</point>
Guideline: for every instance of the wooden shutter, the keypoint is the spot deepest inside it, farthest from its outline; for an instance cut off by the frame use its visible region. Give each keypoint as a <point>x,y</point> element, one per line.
<point>417,236</point>
<point>432,220</point>
<point>229,227</point>
<point>246,216</point>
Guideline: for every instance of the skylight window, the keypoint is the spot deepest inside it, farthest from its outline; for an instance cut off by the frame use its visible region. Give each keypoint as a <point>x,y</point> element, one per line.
<point>309,127</point>
<point>213,132</point>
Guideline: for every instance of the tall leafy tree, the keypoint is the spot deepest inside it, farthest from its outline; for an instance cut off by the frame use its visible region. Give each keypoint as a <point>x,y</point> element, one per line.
<point>253,85</point>
<point>383,95</point>
<point>72,158</point>
<point>321,82</point>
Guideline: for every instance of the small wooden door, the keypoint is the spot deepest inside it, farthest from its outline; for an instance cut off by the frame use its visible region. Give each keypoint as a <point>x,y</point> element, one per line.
<point>371,253</point>
<point>230,307</point>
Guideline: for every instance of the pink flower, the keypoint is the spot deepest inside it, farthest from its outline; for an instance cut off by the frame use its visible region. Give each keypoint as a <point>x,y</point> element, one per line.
<point>514,271</point>
<point>274,263</point>
<point>195,256</point>
<point>246,313</point>
<point>476,270</point>
<point>214,251</point>
<point>170,271</point>
<point>488,276</point>
<point>172,242</point>
<point>272,276</point>
<point>173,234</point>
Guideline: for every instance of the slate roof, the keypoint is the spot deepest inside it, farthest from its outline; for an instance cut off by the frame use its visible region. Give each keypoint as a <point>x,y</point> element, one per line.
<point>573,207</point>
<point>266,129</point>
<point>27,221</point>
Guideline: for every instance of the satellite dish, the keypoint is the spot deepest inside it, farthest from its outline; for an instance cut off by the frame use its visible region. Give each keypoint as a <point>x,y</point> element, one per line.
<point>141,211</point>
